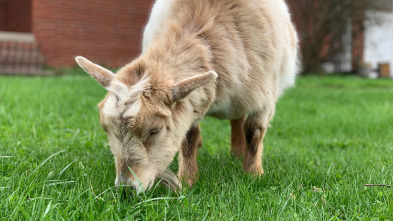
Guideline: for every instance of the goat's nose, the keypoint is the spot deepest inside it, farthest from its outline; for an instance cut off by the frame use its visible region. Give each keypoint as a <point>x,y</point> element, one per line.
<point>122,180</point>
<point>125,191</point>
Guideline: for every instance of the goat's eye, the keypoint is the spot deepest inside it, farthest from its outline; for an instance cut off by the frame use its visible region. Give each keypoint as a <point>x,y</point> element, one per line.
<point>155,131</point>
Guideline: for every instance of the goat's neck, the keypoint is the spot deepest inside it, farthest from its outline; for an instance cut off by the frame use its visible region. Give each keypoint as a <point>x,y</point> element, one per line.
<point>180,56</point>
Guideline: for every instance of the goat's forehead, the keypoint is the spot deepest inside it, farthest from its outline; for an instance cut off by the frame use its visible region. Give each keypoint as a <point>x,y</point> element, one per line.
<point>135,105</point>
<point>123,101</point>
<point>115,107</point>
<point>125,92</point>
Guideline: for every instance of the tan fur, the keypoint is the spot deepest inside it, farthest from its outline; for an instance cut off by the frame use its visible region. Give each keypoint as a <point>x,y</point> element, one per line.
<point>238,139</point>
<point>250,44</point>
<point>102,75</point>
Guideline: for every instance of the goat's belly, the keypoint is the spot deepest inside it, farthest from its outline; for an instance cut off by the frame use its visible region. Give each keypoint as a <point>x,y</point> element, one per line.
<point>221,110</point>
<point>228,109</point>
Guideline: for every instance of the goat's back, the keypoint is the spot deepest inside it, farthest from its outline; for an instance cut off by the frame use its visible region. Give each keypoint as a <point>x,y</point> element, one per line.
<point>253,49</point>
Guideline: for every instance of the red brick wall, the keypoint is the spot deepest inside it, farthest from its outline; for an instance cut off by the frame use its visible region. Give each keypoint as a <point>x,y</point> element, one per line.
<point>2,15</point>
<point>106,32</point>
<point>15,15</point>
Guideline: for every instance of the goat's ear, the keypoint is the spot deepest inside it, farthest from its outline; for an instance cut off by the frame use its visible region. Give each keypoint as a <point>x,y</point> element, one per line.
<point>102,75</point>
<point>181,89</point>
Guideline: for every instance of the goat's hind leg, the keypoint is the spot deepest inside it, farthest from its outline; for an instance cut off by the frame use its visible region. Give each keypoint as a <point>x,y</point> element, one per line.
<point>188,169</point>
<point>255,129</point>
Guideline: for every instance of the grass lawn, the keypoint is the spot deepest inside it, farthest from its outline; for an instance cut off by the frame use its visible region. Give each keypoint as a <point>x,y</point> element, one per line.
<point>329,137</point>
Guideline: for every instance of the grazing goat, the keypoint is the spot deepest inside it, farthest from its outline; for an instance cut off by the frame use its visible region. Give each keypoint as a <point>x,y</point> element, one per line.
<point>229,59</point>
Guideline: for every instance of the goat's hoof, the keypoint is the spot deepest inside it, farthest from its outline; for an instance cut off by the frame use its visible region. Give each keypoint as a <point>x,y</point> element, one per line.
<point>238,155</point>
<point>255,171</point>
<point>188,181</point>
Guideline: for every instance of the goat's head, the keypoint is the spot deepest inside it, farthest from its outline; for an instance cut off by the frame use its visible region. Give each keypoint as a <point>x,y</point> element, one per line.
<point>145,120</point>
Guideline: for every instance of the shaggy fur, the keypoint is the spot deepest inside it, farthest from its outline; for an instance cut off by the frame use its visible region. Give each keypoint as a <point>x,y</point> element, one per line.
<point>230,59</point>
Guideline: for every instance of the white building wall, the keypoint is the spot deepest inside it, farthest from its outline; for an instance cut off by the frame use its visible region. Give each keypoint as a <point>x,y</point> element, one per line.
<point>379,39</point>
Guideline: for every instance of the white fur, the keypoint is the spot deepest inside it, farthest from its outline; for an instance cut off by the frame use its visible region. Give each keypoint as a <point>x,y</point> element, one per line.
<point>291,68</point>
<point>114,106</point>
<point>158,16</point>
<point>289,72</point>
<point>133,110</point>
<point>140,86</point>
<point>118,88</point>
<point>224,108</point>
<point>109,108</point>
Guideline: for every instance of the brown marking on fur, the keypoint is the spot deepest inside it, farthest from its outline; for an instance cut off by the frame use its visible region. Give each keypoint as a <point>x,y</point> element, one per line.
<point>255,129</point>
<point>238,140</point>
<point>252,160</point>
<point>131,73</point>
<point>188,169</point>
<point>200,138</point>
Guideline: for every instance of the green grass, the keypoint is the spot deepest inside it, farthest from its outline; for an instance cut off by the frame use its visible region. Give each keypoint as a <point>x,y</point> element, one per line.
<point>329,137</point>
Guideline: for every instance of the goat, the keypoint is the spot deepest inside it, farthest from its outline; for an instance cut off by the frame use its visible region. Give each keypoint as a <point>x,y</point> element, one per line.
<point>230,59</point>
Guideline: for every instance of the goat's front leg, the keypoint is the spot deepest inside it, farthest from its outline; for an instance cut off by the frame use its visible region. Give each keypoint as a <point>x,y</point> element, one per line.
<point>255,129</point>
<point>238,140</point>
<point>188,169</point>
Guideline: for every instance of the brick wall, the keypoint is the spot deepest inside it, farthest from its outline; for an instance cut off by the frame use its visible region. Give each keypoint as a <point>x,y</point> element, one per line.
<point>15,15</point>
<point>2,15</point>
<point>106,32</point>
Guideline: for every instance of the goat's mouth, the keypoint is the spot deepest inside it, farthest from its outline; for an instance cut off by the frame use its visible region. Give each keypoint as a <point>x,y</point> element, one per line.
<point>170,180</point>
<point>167,178</point>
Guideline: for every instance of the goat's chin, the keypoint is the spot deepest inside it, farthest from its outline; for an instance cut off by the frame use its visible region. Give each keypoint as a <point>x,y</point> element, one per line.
<point>170,180</point>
